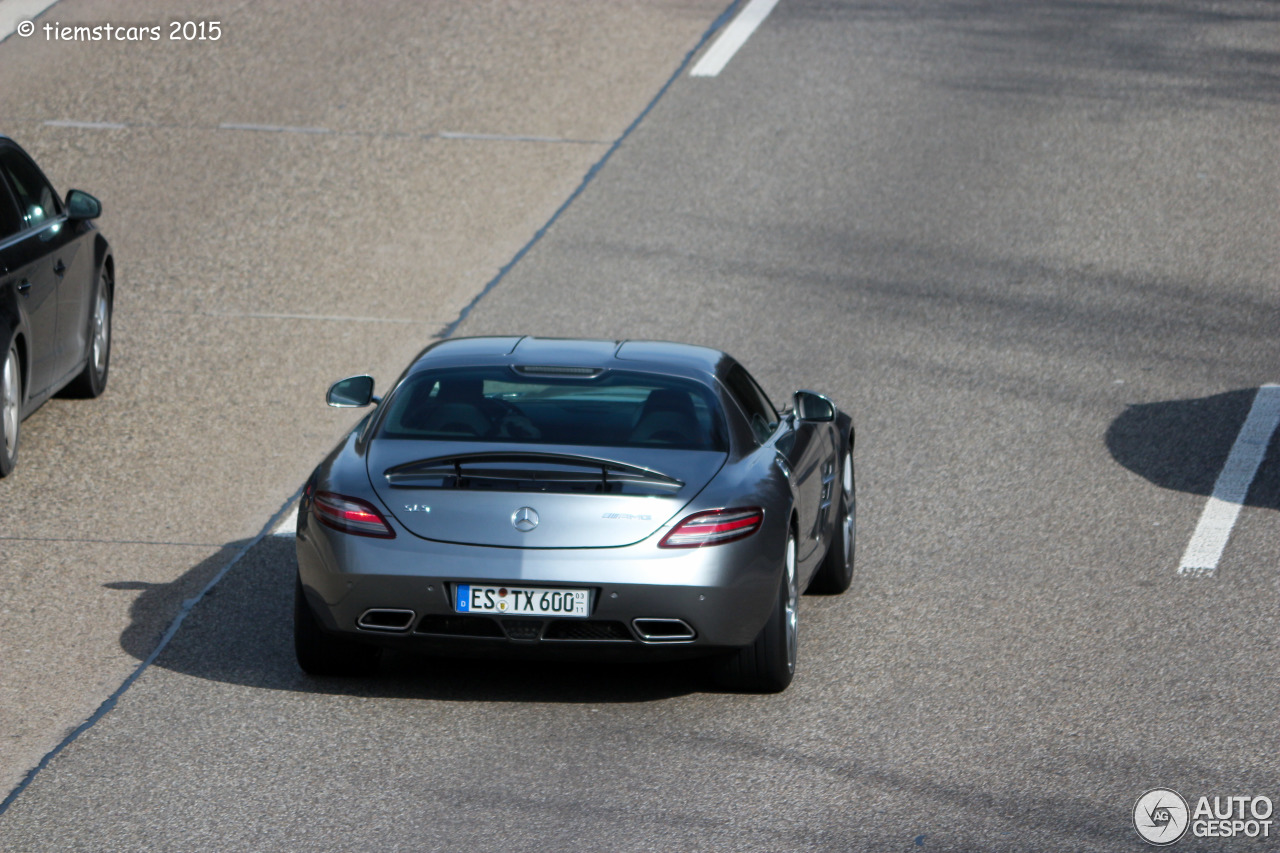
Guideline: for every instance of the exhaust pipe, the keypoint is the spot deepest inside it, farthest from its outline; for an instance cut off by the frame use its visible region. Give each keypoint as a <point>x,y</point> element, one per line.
<point>663,630</point>
<point>385,619</point>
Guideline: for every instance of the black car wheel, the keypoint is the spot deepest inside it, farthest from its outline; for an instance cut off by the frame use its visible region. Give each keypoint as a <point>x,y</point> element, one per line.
<point>10,410</point>
<point>321,653</point>
<point>836,572</point>
<point>92,381</point>
<point>768,664</point>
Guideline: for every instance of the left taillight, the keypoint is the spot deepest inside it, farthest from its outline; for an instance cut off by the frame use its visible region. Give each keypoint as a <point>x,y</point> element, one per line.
<point>350,515</point>
<point>715,527</point>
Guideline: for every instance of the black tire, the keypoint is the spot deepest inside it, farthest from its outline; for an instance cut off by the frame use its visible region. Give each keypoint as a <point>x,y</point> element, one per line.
<point>321,653</point>
<point>10,410</point>
<point>836,572</point>
<point>92,381</point>
<point>769,663</point>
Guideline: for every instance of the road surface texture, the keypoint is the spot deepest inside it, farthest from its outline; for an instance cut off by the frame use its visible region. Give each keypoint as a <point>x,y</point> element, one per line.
<point>1031,246</point>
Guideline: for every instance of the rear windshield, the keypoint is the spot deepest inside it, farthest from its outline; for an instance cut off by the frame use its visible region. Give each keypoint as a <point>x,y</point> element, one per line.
<point>616,409</point>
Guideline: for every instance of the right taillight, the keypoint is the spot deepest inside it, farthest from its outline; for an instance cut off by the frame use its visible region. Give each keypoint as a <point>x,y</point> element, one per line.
<point>714,527</point>
<point>351,515</point>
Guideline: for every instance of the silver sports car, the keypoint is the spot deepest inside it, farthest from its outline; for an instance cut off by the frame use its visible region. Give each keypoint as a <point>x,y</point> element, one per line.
<point>533,496</point>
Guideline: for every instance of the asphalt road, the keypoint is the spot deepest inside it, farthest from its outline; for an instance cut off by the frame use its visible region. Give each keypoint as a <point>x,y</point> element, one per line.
<point>1032,247</point>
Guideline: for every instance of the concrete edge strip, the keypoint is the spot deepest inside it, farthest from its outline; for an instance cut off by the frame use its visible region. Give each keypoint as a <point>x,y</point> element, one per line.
<point>187,606</point>
<point>719,22</point>
<point>276,519</point>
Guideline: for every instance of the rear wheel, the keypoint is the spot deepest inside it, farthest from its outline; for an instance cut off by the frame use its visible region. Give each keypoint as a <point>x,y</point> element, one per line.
<point>92,381</point>
<point>768,664</point>
<point>322,653</point>
<point>10,410</point>
<point>836,572</point>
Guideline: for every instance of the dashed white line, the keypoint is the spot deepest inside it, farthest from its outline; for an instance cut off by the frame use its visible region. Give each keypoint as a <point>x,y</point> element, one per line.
<point>287,525</point>
<point>325,131</point>
<point>733,38</point>
<point>262,315</point>
<point>273,128</point>
<point>14,12</point>
<point>1204,551</point>
<point>500,137</point>
<point>88,125</point>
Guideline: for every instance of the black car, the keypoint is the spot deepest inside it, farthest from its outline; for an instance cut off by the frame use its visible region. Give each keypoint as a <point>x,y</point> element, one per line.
<point>56,282</point>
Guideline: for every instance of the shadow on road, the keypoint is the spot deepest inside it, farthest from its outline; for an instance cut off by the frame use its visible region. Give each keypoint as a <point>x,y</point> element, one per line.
<point>1183,53</point>
<point>1183,444</point>
<point>241,632</point>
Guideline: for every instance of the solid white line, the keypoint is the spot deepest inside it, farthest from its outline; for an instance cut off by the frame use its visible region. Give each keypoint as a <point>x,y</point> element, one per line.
<point>88,125</point>
<point>734,37</point>
<point>1229,493</point>
<point>14,12</point>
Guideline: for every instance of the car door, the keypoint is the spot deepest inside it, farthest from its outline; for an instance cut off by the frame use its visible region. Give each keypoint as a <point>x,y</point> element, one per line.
<point>798,446</point>
<point>26,274</point>
<point>812,474</point>
<point>59,270</point>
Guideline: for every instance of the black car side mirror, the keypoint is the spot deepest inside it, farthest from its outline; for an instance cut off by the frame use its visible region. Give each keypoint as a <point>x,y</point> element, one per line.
<point>354,392</point>
<point>811,406</point>
<point>81,205</point>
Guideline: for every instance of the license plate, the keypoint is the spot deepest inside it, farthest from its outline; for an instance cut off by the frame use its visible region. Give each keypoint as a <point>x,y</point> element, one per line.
<point>521,600</point>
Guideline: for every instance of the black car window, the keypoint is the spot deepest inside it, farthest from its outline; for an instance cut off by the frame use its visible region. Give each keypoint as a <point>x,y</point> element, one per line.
<point>10,221</point>
<point>614,409</point>
<point>37,202</point>
<point>760,412</point>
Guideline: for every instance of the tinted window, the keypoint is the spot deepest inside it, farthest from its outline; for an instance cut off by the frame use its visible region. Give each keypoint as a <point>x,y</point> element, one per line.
<point>37,202</point>
<point>10,221</point>
<point>616,409</point>
<point>761,413</point>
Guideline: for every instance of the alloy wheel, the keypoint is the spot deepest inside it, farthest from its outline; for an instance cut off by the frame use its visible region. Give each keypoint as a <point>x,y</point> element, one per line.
<point>10,402</point>
<point>849,523</point>
<point>101,329</point>
<point>791,609</point>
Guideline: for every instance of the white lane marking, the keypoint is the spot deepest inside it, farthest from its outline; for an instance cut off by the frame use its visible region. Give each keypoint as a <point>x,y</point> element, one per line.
<point>502,137</point>
<point>323,131</point>
<point>272,128</point>
<point>324,317</point>
<point>14,12</point>
<point>88,125</point>
<point>287,525</point>
<point>734,37</point>
<point>1229,493</point>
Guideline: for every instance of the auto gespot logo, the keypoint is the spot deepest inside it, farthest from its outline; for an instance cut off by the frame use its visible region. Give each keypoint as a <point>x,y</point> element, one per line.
<point>1162,817</point>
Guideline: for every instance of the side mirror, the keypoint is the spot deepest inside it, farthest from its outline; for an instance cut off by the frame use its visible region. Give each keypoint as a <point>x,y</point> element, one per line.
<point>81,205</point>
<point>811,406</point>
<point>354,392</point>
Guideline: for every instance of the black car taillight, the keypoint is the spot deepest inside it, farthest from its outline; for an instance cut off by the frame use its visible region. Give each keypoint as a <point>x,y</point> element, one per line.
<point>714,527</point>
<point>351,515</point>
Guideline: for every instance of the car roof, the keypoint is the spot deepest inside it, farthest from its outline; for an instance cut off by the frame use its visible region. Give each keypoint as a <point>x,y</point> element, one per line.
<point>645,356</point>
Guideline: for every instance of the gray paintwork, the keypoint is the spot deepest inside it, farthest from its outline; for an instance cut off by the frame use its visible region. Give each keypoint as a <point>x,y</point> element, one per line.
<point>725,592</point>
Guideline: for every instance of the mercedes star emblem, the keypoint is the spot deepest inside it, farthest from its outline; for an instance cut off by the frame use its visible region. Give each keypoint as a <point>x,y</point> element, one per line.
<point>524,519</point>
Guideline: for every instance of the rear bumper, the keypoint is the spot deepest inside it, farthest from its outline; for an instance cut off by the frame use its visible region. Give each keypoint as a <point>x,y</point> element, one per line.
<point>645,602</point>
